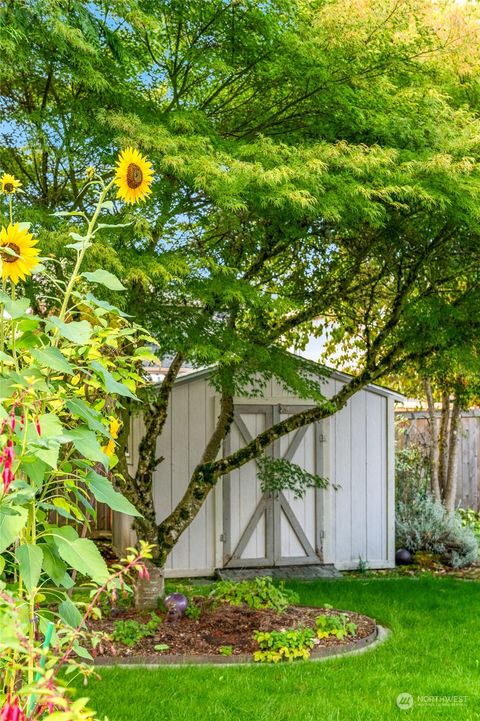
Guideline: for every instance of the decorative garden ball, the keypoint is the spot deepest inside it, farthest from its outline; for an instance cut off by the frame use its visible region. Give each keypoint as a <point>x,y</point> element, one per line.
<point>403,557</point>
<point>176,604</point>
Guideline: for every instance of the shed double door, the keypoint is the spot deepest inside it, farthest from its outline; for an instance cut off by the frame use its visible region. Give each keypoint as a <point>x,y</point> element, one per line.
<point>274,529</point>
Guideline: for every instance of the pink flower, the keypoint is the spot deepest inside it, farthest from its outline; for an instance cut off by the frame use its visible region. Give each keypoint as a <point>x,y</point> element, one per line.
<point>12,711</point>
<point>7,459</point>
<point>143,572</point>
<point>37,426</point>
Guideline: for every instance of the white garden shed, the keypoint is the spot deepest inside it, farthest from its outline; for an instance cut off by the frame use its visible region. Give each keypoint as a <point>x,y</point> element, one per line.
<point>349,522</point>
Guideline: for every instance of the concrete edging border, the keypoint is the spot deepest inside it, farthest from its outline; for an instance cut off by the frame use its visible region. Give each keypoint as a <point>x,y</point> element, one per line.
<point>368,643</point>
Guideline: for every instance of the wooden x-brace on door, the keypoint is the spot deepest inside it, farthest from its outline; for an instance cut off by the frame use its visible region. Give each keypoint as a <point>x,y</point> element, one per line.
<point>271,529</point>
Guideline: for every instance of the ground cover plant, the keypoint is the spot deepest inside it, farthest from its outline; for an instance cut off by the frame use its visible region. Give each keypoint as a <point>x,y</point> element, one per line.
<point>286,645</point>
<point>261,592</point>
<point>432,652</point>
<point>130,632</point>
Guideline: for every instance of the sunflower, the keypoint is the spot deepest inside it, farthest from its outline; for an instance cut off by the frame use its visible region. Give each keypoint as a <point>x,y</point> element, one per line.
<point>114,428</point>
<point>23,258</point>
<point>134,176</point>
<point>9,184</point>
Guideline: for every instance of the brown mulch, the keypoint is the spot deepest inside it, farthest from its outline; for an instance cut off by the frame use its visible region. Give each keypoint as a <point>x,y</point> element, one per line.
<point>223,625</point>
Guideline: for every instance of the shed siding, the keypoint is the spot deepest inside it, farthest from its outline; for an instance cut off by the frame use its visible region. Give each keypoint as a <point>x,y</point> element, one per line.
<point>358,524</point>
<point>182,443</point>
<point>358,460</point>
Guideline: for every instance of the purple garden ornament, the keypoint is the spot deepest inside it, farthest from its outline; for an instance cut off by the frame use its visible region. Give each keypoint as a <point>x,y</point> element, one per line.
<point>403,557</point>
<point>176,604</point>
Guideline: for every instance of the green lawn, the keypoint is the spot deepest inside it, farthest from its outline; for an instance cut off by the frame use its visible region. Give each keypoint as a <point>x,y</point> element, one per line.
<point>434,650</point>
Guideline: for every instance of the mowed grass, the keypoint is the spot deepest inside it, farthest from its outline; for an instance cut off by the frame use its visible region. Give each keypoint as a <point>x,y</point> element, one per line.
<point>433,651</point>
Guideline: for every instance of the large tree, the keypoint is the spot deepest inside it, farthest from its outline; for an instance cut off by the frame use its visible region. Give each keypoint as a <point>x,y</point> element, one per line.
<point>314,161</point>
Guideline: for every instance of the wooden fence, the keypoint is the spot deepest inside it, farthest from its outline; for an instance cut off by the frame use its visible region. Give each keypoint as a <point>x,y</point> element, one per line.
<point>413,427</point>
<point>100,527</point>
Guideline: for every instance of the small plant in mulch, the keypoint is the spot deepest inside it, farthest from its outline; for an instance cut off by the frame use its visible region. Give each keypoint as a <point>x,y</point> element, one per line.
<point>257,594</point>
<point>193,610</point>
<point>225,650</point>
<point>161,647</point>
<point>289,645</point>
<point>337,625</point>
<point>130,632</point>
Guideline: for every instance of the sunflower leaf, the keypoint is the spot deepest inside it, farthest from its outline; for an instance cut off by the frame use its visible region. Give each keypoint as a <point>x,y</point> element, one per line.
<point>103,277</point>
<point>14,308</point>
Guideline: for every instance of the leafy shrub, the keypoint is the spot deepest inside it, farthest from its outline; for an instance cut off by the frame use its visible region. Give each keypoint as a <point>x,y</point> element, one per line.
<point>423,524</point>
<point>412,473</point>
<point>130,632</point>
<point>258,593</point>
<point>470,519</point>
<point>193,610</point>
<point>337,625</point>
<point>287,645</point>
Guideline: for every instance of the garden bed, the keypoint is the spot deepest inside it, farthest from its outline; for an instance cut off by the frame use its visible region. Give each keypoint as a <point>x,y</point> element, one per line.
<point>223,633</point>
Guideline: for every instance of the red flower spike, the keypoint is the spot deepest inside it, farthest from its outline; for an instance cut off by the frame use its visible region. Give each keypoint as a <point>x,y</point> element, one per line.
<point>7,459</point>
<point>12,711</point>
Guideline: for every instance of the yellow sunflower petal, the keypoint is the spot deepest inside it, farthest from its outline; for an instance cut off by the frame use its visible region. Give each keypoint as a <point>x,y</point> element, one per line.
<point>109,449</point>
<point>9,184</point>
<point>19,263</point>
<point>133,177</point>
<point>114,427</point>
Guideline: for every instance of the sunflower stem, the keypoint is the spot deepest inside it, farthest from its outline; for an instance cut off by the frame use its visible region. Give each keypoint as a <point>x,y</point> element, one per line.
<point>14,349</point>
<point>2,326</point>
<point>81,253</point>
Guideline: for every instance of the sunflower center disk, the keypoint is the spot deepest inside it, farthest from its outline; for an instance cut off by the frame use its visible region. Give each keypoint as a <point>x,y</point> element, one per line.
<point>7,257</point>
<point>8,187</point>
<point>134,176</point>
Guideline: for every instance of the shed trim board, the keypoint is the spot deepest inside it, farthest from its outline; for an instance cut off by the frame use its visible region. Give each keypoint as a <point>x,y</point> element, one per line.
<point>329,373</point>
<point>352,520</point>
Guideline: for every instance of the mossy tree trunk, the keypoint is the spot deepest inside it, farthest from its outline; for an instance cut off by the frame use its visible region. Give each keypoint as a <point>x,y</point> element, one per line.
<point>433,449</point>
<point>444,442</point>
<point>139,484</point>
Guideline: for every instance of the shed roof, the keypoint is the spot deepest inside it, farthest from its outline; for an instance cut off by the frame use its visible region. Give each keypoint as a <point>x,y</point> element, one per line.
<point>332,373</point>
